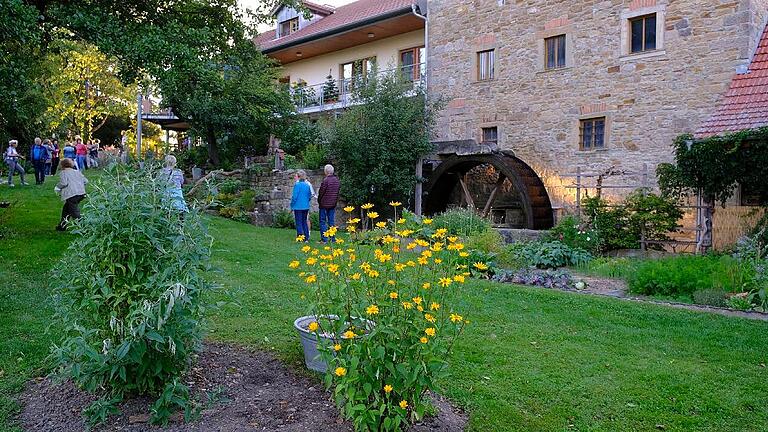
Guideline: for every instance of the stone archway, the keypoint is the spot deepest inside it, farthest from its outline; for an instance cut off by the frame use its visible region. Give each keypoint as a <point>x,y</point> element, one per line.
<point>505,174</point>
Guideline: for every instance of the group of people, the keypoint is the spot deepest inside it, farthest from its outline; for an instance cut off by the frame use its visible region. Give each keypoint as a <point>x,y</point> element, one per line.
<point>45,155</point>
<point>327,199</point>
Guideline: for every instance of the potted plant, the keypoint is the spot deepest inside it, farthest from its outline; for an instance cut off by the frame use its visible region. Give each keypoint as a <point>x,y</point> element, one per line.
<point>330,90</point>
<point>381,320</point>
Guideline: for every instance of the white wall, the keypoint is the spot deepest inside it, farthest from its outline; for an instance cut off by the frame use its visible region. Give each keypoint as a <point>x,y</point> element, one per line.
<point>314,70</point>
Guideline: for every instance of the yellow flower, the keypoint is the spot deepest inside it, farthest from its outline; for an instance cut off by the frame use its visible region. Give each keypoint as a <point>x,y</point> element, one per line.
<point>385,257</point>
<point>339,241</point>
<point>349,209</point>
<point>351,228</point>
<point>430,331</point>
<point>459,278</point>
<point>399,267</point>
<point>395,203</point>
<point>480,266</point>
<point>313,326</point>
<point>422,243</point>
<point>331,232</point>
<point>372,215</point>
<point>453,239</point>
<point>306,249</point>
<point>391,282</point>
<point>456,318</point>
<point>426,221</point>
<point>426,254</point>
<point>430,318</point>
<point>315,251</point>
<point>340,371</point>
<point>417,300</point>
<point>434,306</point>
<point>393,295</point>
<point>372,310</point>
<point>407,305</point>
<point>401,221</point>
<point>294,264</point>
<point>381,224</point>
<point>441,232</point>
<point>410,263</point>
<point>337,347</point>
<point>373,274</point>
<point>463,254</point>
<point>311,261</point>
<point>438,261</point>
<point>426,285</point>
<point>403,404</point>
<point>437,247</point>
<point>420,308</point>
<point>333,268</point>
<point>300,238</point>
<point>355,276</point>
<point>311,279</point>
<point>387,388</point>
<point>444,282</point>
<point>354,220</point>
<point>411,246</point>
<point>366,206</point>
<point>423,339</point>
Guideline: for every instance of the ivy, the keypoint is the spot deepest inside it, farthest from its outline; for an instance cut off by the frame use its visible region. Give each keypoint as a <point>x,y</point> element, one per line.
<point>715,165</point>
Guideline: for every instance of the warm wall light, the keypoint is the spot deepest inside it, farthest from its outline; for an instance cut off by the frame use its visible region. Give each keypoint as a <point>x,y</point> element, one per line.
<point>298,54</point>
<point>370,35</point>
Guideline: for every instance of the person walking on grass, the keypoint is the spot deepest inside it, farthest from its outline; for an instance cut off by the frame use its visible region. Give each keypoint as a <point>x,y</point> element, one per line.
<point>38,154</point>
<point>327,198</point>
<point>49,159</point>
<point>12,158</point>
<point>55,155</point>
<point>300,199</point>
<point>175,179</point>
<point>71,188</point>
<point>81,150</point>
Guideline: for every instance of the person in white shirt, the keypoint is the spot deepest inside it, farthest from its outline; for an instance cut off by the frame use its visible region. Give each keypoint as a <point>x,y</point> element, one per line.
<point>12,158</point>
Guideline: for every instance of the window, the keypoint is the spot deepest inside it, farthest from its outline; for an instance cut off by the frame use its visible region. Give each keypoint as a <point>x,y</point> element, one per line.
<point>289,26</point>
<point>642,33</point>
<point>491,134</point>
<point>410,63</point>
<point>554,52</point>
<point>592,133</point>
<point>485,65</point>
<point>749,197</point>
<point>356,70</point>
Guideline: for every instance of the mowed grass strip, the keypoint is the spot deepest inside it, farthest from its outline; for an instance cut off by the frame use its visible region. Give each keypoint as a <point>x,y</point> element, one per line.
<point>531,360</point>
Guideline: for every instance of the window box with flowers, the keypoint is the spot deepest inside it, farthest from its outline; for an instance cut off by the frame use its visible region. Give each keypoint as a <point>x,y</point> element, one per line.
<point>382,314</point>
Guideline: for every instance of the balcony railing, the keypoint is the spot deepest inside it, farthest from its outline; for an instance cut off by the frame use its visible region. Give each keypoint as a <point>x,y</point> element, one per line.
<point>322,97</point>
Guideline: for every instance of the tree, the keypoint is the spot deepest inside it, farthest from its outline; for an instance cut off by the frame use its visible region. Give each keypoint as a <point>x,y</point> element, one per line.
<point>378,142</point>
<point>330,90</point>
<point>86,91</point>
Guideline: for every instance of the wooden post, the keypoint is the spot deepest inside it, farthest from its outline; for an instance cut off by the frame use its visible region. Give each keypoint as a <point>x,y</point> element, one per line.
<point>467,196</point>
<point>492,198</point>
<point>578,191</point>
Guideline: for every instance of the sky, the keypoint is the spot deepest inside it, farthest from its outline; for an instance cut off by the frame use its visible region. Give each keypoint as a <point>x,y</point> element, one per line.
<point>253,3</point>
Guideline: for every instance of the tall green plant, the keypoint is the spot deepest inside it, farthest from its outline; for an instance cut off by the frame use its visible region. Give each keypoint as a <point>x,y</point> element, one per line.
<point>379,141</point>
<point>130,291</point>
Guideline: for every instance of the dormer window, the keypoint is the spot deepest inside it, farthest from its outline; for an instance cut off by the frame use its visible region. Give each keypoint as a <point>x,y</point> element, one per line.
<point>289,26</point>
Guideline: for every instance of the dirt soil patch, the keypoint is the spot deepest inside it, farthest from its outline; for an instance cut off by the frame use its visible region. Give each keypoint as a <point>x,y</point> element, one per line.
<point>257,393</point>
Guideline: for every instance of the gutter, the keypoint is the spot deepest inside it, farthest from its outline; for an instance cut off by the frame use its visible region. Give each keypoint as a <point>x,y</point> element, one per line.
<point>342,29</point>
<point>416,10</point>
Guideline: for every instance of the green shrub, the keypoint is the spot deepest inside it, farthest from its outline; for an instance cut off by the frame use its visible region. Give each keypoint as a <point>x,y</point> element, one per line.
<point>610,267</point>
<point>546,255</point>
<point>576,234</point>
<point>132,312</point>
<point>230,186</point>
<point>314,220</point>
<point>462,222</point>
<point>710,297</point>
<point>684,275</point>
<point>246,201</point>
<point>283,219</point>
<point>314,156</point>
<point>291,162</point>
<point>741,301</point>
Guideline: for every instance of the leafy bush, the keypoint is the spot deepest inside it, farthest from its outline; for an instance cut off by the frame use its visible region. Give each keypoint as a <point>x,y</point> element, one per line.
<point>683,275</point>
<point>462,222</point>
<point>753,263</point>
<point>710,297</point>
<point>610,267</point>
<point>314,220</point>
<point>548,254</point>
<point>741,301</point>
<point>132,312</point>
<point>389,315</point>
<point>559,279</point>
<point>230,186</point>
<point>314,156</point>
<point>576,234</point>
<point>283,219</point>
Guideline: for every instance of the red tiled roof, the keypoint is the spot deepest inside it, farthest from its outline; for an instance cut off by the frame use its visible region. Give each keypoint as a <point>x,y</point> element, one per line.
<point>745,105</point>
<point>343,16</point>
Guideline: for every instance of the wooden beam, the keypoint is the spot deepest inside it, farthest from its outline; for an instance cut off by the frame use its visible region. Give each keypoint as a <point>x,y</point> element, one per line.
<point>492,198</point>
<point>467,196</point>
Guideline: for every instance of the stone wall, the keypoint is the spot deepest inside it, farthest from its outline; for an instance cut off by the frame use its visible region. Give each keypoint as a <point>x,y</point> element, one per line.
<point>648,99</point>
<point>276,188</point>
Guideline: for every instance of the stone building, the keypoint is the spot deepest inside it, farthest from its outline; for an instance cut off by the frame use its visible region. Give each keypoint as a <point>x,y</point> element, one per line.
<point>560,86</point>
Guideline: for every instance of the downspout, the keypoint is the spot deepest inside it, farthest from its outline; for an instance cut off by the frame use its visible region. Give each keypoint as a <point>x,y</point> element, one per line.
<point>420,163</point>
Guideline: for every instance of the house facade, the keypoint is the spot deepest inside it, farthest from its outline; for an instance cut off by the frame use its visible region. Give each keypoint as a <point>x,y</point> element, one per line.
<point>343,45</point>
<point>578,86</point>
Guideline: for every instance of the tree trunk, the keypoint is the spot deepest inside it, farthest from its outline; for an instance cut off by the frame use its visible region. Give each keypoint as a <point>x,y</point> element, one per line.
<point>213,149</point>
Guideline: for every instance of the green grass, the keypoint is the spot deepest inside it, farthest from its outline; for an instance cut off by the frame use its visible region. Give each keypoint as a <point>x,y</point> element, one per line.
<point>532,359</point>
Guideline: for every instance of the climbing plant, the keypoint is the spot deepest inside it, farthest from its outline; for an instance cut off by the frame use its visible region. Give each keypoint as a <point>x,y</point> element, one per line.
<point>715,165</point>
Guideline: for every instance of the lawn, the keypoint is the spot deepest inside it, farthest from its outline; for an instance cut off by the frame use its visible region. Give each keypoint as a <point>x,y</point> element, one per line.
<point>532,359</point>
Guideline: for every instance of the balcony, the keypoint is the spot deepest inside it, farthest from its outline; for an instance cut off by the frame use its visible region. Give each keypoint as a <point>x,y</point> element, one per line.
<point>317,98</point>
